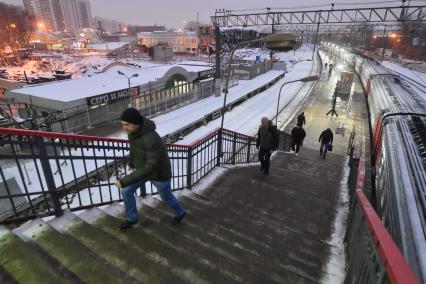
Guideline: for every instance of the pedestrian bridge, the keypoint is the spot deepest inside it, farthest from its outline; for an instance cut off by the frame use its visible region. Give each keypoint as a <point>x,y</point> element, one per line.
<point>243,227</point>
<point>60,210</point>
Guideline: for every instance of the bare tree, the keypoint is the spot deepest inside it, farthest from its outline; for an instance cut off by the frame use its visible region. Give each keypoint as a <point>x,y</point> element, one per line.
<point>15,30</point>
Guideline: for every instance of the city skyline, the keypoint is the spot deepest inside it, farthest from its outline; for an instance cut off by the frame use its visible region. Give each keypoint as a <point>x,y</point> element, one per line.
<point>174,15</point>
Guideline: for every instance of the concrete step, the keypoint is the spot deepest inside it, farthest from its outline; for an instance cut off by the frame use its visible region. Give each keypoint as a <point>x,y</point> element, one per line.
<point>207,231</point>
<point>218,256</point>
<point>260,235</point>
<point>271,225</point>
<point>114,251</point>
<point>180,262</point>
<point>73,255</point>
<point>21,263</point>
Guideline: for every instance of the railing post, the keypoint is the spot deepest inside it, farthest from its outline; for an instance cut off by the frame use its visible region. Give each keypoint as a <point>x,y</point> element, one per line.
<point>219,146</point>
<point>234,147</point>
<point>143,190</point>
<point>248,150</point>
<point>48,173</point>
<point>189,169</point>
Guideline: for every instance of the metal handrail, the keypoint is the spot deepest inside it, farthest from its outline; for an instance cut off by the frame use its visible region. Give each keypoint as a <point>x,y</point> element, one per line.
<point>373,255</point>
<point>43,173</point>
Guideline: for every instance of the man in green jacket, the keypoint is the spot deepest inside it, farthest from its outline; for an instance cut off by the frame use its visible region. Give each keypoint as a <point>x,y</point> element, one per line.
<point>150,162</point>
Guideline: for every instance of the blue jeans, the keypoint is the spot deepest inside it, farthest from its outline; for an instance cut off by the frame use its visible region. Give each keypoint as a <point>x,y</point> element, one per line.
<point>324,148</point>
<point>165,191</point>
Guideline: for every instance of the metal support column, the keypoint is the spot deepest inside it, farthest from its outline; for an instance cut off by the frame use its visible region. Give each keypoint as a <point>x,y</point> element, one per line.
<point>217,52</point>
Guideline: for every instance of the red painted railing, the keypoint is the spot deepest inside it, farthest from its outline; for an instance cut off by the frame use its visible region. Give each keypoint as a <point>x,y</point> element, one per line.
<point>397,268</point>
<point>45,172</point>
<point>37,133</point>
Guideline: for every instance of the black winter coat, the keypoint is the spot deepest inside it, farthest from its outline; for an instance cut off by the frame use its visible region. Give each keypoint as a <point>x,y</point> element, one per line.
<point>326,136</point>
<point>298,134</point>
<point>301,119</point>
<point>268,138</point>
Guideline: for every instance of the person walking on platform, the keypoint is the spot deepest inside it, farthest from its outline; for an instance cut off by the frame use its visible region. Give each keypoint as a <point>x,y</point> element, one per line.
<point>150,161</point>
<point>298,134</point>
<point>326,139</point>
<point>267,142</point>
<point>301,119</point>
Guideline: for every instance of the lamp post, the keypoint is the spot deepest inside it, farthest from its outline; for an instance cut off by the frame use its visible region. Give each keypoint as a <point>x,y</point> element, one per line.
<point>128,80</point>
<point>304,80</point>
<point>274,42</point>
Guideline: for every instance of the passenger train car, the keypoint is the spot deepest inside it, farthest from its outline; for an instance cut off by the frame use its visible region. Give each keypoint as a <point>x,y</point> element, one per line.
<point>398,118</point>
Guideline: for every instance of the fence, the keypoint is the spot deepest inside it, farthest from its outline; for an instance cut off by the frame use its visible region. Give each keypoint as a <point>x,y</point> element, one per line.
<point>42,173</point>
<point>372,254</point>
<point>150,104</point>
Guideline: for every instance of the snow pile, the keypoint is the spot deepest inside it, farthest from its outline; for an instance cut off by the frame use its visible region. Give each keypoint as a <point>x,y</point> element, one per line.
<point>77,66</point>
<point>251,54</point>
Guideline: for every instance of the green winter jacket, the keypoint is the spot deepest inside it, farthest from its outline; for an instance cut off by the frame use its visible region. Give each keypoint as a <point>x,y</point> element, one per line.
<point>148,156</point>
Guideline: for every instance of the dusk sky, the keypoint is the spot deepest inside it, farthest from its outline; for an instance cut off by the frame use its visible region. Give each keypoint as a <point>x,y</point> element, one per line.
<point>173,13</point>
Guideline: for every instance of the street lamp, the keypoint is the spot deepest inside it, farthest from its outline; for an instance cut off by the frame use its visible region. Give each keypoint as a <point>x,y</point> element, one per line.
<point>128,81</point>
<point>304,80</point>
<point>274,42</point>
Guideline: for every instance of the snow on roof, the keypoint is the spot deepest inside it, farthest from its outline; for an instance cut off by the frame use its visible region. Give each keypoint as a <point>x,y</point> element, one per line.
<point>107,45</point>
<point>102,83</point>
<point>259,29</point>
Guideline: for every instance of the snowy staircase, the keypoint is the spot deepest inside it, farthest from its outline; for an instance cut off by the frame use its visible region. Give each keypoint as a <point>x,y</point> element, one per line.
<point>89,248</point>
<point>230,235</point>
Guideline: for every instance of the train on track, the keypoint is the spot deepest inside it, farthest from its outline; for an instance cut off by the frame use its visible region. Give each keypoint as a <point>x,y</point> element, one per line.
<point>397,109</point>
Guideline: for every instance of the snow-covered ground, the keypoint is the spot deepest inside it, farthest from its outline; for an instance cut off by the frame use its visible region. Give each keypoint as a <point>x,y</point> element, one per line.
<point>245,118</point>
<point>77,66</point>
<point>303,53</point>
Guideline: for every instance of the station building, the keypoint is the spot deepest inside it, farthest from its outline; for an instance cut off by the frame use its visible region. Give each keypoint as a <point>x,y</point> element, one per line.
<point>77,104</point>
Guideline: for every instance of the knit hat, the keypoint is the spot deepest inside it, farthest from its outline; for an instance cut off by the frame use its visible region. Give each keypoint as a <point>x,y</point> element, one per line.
<point>133,116</point>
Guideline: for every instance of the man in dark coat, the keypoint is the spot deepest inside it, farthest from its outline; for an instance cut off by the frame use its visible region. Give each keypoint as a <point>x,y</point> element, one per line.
<point>326,139</point>
<point>150,161</point>
<point>298,134</point>
<point>267,141</point>
<point>301,119</point>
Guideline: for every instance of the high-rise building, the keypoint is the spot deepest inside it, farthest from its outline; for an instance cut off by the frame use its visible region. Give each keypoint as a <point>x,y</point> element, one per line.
<point>60,15</point>
<point>85,14</point>
<point>42,11</point>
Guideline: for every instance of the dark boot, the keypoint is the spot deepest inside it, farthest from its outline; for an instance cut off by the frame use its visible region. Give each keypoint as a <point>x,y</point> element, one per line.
<point>262,168</point>
<point>126,225</point>
<point>176,220</point>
